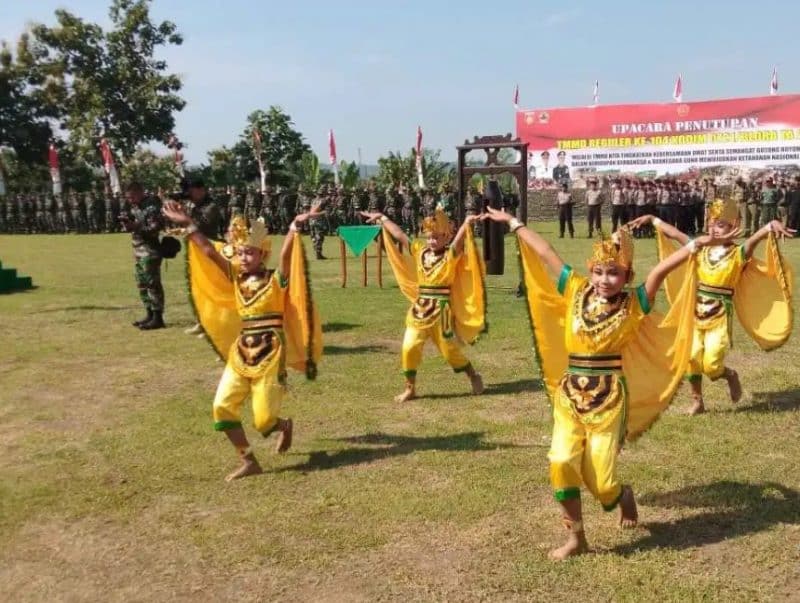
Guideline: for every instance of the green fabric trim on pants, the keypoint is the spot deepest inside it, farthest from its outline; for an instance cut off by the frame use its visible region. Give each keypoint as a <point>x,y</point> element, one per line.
<point>463,369</point>
<point>692,378</point>
<point>225,425</point>
<point>410,373</point>
<point>563,494</point>
<point>613,505</point>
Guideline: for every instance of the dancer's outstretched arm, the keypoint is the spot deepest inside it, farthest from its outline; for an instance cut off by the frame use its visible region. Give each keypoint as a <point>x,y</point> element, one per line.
<point>530,238</point>
<point>762,233</point>
<point>394,230</point>
<point>176,213</point>
<point>657,275</point>
<point>668,229</point>
<point>458,240</point>
<point>286,249</point>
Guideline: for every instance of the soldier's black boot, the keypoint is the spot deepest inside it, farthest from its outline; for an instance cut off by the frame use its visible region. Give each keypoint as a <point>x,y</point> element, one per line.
<point>157,322</point>
<point>320,256</point>
<point>146,319</point>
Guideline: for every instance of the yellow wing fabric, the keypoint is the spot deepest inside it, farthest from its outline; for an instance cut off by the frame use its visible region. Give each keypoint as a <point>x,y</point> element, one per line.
<point>468,293</point>
<point>676,278</point>
<point>654,361</point>
<point>763,298</point>
<point>301,324</point>
<point>404,267</point>
<point>212,296</point>
<point>547,311</point>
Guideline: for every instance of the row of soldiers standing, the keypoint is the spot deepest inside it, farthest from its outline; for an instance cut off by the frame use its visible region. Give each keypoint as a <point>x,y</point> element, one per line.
<point>29,213</point>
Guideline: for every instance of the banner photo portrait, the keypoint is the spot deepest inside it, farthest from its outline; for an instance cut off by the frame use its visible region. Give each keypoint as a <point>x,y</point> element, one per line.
<point>725,138</point>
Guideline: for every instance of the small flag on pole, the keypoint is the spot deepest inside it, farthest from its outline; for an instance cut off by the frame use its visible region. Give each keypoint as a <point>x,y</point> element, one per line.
<point>332,156</point>
<point>111,169</point>
<point>257,151</point>
<point>516,97</point>
<point>596,94</point>
<point>773,84</point>
<point>677,93</point>
<point>418,148</point>
<point>55,172</point>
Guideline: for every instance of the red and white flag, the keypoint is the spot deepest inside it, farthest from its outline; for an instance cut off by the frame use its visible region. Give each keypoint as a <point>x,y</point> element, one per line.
<point>773,84</point>
<point>516,97</point>
<point>111,169</point>
<point>596,94</point>
<point>257,149</point>
<point>677,93</point>
<point>55,172</point>
<point>332,156</point>
<point>418,149</point>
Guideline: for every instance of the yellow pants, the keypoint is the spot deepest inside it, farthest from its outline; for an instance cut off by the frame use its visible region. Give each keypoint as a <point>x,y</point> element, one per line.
<point>266,392</point>
<point>414,340</point>
<point>709,347</point>
<point>585,456</point>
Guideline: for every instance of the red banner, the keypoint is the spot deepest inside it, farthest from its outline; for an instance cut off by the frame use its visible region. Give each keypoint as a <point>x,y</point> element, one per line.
<point>730,137</point>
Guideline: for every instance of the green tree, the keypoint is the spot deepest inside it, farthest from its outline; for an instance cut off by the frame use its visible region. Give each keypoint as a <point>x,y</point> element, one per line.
<point>27,102</point>
<point>153,171</point>
<point>282,148</point>
<point>396,168</point>
<point>349,175</point>
<point>109,83</point>
<point>222,168</point>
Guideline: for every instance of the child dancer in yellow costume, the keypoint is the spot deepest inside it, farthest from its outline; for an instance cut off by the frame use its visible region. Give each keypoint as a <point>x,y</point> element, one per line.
<point>729,277</point>
<point>610,365</point>
<point>259,320</point>
<point>443,280</point>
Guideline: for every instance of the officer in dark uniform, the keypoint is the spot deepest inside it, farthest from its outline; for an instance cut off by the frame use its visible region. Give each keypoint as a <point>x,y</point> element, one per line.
<point>561,171</point>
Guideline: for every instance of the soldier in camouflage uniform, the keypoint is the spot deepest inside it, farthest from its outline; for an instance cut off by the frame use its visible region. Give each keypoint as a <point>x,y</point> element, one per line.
<point>287,200</point>
<point>359,203</point>
<point>269,209</point>
<point>473,205</point>
<point>29,212</point>
<point>144,221</point>
<point>40,220</point>
<point>15,213</point>
<point>252,205</point>
<point>393,204</point>
<point>83,207</point>
<point>447,201</point>
<point>409,211</point>
<point>74,217</point>
<point>375,199</point>
<point>95,211</point>
<point>51,213</point>
<point>428,203</point>
<point>344,207</point>
<point>319,225</point>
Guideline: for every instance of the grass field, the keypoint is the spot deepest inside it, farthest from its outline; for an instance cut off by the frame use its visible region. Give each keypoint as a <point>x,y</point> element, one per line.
<point>111,476</point>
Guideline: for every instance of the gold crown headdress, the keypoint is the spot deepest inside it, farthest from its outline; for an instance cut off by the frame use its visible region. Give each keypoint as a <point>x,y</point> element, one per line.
<point>618,250</point>
<point>438,223</point>
<point>254,236</point>
<point>723,209</point>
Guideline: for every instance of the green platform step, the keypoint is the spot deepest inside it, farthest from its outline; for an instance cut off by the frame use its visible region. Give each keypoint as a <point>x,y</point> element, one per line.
<point>11,281</point>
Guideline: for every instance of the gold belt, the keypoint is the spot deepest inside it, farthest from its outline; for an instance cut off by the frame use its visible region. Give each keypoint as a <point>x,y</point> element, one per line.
<point>262,323</point>
<point>595,362</point>
<point>715,290</point>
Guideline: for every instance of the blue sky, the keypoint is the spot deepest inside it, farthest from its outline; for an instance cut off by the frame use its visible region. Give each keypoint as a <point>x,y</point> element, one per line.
<point>373,70</point>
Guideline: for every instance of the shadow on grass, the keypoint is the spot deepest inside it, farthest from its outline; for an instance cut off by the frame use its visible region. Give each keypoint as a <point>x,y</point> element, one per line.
<point>390,447</point>
<point>737,509</point>
<point>356,349</point>
<point>492,389</point>
<point>86,308</point>
<point>766,402</point>
<point>338,327</point>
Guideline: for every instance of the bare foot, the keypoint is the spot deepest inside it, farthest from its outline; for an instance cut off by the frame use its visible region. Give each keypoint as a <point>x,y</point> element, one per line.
<point>477,384</point>
<point>409,393</point>
<point>249,466</point>
<point>285,436</point>
<point>735,386</point>
<point>628,513</point>
<point>697,407</point>
<point>575,545</point>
